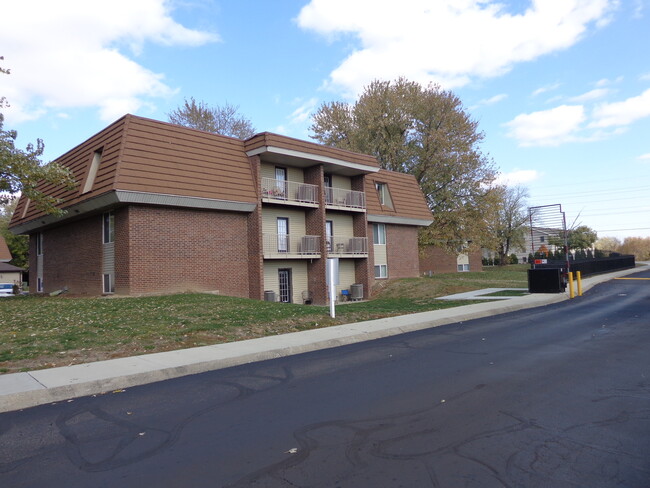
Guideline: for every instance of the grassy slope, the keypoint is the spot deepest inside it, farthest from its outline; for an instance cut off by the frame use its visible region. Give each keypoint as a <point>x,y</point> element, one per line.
<point>40,332</point>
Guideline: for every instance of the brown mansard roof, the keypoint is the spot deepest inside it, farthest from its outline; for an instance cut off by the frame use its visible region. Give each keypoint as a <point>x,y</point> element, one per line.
<point>141,156</point>
<point>408,201</point>
<point>147,156</point>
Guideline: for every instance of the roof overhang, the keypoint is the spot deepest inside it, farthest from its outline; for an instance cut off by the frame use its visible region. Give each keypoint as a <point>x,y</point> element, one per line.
<point>118,197</point>
<point>276,154</point>
<point>393,219</point>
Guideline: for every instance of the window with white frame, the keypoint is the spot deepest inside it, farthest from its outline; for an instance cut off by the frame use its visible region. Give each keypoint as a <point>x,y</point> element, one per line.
<point>384,195</point>
<point>463,267</point>
<point>381,271</point>
<point>379,234</point>
<point>109,227</point>
<point>39,285</point>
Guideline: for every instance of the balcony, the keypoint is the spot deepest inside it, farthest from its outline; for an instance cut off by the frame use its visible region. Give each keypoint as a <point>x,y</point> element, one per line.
<point>289,192</point>
<point>347,247</point>
<point>340,199</point>
<point>286,246</point>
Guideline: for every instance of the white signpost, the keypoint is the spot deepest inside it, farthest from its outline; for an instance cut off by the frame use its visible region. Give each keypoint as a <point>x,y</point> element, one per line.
<point>332,279</point>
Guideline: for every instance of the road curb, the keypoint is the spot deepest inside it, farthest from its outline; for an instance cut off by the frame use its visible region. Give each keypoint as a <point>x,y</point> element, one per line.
<point>24,390</point>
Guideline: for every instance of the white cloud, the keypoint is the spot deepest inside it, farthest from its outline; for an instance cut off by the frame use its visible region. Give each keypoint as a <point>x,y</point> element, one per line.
<point>546,88</point>
<point>69,54</point>
<point>517,177</point>
<point>591,95</point>
<point>622,113</point>
<point>492,100</point>
<point>447,41</point>
<point>547,127</point>
<point>303,112</point>
<point>607,82</point>
<point>644,158</point>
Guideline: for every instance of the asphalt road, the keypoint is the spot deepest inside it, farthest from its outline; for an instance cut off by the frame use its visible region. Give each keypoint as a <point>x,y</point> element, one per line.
<point>552,397</point>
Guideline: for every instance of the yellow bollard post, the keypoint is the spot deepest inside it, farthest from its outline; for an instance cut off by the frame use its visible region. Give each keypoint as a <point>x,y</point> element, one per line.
<point>579,280</point>
<point>571,292</point>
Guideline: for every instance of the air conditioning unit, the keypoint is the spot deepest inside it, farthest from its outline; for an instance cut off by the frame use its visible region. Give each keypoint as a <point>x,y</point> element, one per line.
<point>356,291</point>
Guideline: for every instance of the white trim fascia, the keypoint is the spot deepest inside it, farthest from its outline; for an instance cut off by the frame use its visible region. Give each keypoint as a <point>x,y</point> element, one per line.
<point>311,156</point>
<point>391,219</point>
<point>122,196</point>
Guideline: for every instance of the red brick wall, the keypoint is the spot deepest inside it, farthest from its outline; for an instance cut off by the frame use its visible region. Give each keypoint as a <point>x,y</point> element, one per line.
<point>363,268</point>
<point>402,251</point>
<point>174,249</point>
<point>475,261</point>
<point>72,257</point>
<point>255,247</point>
<point>437,260</point>
<point>315,226</point>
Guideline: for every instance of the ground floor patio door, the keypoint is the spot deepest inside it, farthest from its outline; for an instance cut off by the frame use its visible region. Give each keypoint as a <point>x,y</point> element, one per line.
<point>284,277</point>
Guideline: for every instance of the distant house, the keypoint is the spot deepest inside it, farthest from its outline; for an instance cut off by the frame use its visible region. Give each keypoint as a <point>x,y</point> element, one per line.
<point>8,273</point>
<point>162,208</point>
<point>435,260</point>
<point>11,274</point>
<point>5,254</point>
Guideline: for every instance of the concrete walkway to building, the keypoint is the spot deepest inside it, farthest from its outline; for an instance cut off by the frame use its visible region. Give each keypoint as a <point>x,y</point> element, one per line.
<point>23,390</point>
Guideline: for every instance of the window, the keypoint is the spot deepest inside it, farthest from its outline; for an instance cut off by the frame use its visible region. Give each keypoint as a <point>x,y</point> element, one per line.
<point>280,190</point>
<point>109,227</point>
<point>39,285</point>
<point>283,234</point>
<point>463,267</point>
<point>329,232</point>
<point>384,195</point>
<point>541,238</point>
<point>92,172</point>
<point>381,271</point>
<point>379,234</point>
<point>329,193</point>
<point>39,244</point>
<point>109,285</point>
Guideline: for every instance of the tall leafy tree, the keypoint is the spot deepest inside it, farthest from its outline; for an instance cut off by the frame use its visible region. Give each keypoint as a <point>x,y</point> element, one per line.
<point>23,172</point>
<point>581,237</point>
<point>424,131</point>
<point>507,219</point>
<point>639,246</point>
<point>221,119</point>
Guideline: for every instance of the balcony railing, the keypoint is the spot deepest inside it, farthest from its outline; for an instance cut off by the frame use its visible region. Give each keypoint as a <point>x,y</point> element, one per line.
<point>282,191</point>
<point>338,197</point>
<point>280,246</point>
<point>347,246</point>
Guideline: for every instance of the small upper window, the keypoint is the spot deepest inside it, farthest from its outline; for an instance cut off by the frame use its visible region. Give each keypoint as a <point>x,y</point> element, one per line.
<point>109,227</point>
<point>39,244</point>
<point>92,172</point>
<point>384,195</point>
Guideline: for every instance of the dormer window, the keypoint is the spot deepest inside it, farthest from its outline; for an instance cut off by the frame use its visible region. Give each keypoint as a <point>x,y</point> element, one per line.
<point>384,195</point>
<point>92,172</point>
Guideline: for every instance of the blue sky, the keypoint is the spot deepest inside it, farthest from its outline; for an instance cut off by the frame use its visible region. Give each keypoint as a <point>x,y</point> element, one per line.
<point>561,88</point>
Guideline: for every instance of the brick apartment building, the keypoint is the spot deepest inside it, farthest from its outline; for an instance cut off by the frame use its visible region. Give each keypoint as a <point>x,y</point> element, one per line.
<point>161,208</point>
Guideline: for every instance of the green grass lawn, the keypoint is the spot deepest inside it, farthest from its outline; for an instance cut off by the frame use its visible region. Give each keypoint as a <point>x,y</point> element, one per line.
<point>41,332</point>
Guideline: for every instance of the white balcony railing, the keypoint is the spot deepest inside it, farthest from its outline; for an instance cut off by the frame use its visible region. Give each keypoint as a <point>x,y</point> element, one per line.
<point>338,197</point>
<point>289,191</point>
<point>347,246</point>
<point>287,245</point>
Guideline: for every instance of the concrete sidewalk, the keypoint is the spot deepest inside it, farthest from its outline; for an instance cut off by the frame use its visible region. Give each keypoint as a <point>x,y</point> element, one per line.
<point>23,390</point>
